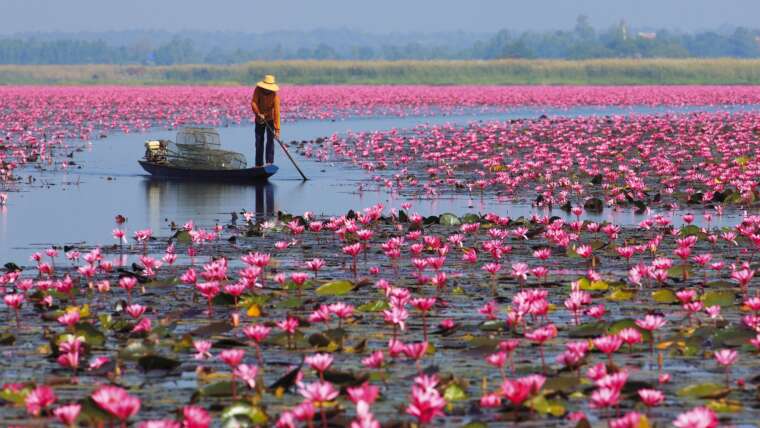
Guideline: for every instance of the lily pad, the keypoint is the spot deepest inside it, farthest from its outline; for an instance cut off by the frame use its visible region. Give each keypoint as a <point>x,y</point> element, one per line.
<point>725,406</point>
<point>621,295</point>
<point>375,306</point>
<point>448,219</point>
<point>628,323</point>
<point>253,414</point>
<point>587,331</point>
<point>217,389</point>
<point>157,362</point>
<point>719,297</point>
<point>547,407</point>
<point>704,390</point>
<point>335,288</point>
<point>664,296</point>
<point>454,392</point>
<point>587,285</point>
<point>677,272</point>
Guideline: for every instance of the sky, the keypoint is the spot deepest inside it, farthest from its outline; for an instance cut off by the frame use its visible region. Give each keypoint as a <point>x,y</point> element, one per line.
<point>374,16</point>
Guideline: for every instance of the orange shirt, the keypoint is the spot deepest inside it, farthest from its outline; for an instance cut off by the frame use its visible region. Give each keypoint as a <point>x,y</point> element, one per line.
<point>267,104</point>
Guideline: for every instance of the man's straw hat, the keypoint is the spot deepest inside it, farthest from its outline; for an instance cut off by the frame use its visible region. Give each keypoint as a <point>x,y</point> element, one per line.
<point>268,83</point>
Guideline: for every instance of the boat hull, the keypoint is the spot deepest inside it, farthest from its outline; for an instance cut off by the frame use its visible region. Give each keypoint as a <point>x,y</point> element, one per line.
<point>248,175</point>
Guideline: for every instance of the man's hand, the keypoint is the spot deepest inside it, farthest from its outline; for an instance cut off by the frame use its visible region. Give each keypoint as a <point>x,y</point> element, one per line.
<point>260,117</point>
<point>277,133</point>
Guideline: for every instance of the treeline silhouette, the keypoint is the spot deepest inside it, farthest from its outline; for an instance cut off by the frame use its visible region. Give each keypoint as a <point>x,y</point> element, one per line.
<point>580,42</point>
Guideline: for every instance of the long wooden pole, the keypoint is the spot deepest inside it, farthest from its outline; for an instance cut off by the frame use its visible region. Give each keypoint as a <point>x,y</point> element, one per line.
<point>284,149</point>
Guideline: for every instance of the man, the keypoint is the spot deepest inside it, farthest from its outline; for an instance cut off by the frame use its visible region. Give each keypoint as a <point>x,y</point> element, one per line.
<point>266,106</point>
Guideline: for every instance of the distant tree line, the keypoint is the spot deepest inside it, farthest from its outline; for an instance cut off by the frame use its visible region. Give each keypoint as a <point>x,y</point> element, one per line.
<point>580,42</point>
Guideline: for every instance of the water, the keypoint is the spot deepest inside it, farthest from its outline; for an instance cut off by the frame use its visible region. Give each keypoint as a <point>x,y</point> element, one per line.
<point>79,205</point>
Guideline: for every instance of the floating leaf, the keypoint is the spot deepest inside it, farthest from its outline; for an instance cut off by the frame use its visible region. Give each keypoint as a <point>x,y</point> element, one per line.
<point>704,390</point>
<point>733,336</point>
<point>454,392</point>
<point>448,219</point>
<point>691,230</point>
<point>547,407</point>
<point>134,350</point>
<point>492,325</point>
<point>287,381</point>
<point>471,218</point>
<point>676,272</point>
<point>7,339</point>
<point>587,285</point>
<point>91,334</point>
<point>628,323</point>
<point>15,397</point>
<point>621,295</point>
<point>375,306</point>
<point>183,237</point>
<point>725,406</point>
<point>587,331</point>
<point>345,378</point>
<point>253,414</point>
<point>721,297</point>
<point>217,389</point>
<point>563,384</point>
<point>212,329</point>
<point>157,362</point>
<point>664,296</point>
<point>335,288</point>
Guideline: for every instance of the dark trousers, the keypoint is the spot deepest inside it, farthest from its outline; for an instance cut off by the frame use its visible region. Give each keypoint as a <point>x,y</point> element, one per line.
<point>260,129</point>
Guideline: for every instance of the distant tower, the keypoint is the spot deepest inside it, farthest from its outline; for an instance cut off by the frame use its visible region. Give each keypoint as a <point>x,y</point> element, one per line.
<point>623,30</point>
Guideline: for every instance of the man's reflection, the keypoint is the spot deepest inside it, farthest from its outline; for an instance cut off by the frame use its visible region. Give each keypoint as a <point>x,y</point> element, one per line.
<point>182,200</point>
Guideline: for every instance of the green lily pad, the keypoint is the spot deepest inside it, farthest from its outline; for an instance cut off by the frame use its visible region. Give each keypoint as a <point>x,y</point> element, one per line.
<point>676,272</point>
<point>492,325</point>
<point>628,323</point>
<point>251,414</point>
<point>587,285</point>
<point>448,219</point>
<point>157,362</point>
<point>547,407</point>
<point>454,392</point>
<point>7,339</point>
<point>217,389</point>
<point>719,297</point>
<point>704,390</point>
<point>733,336</point>
<point>664,296</point>
<point>587,331</point>
<point>91,334</point>
<point>374,306</point>
<point>335,288</point>
<point>725,406</point>
<point>183,237</point>
<point>621,295</point>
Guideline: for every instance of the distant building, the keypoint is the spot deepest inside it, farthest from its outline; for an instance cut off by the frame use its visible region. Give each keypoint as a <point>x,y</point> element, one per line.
<point>647,35</point>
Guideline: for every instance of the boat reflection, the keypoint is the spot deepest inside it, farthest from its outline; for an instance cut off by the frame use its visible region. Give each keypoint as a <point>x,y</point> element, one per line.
<point>205,203</point>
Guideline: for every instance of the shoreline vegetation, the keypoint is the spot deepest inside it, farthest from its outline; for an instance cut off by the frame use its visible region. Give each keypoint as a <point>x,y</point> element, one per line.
<point>724,71</point>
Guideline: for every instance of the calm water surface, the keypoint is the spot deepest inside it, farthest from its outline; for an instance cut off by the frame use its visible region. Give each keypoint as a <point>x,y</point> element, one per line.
<point>79,205</point>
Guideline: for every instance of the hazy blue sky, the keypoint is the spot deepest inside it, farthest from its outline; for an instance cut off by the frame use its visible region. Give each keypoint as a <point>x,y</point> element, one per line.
<point>377,16</point>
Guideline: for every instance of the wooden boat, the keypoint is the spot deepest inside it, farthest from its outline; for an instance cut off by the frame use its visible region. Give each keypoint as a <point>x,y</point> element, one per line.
<point>246,175</point>
<point>197,155</point>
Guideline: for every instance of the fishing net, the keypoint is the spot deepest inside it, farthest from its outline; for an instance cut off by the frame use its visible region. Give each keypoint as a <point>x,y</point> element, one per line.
<point>196,148</point>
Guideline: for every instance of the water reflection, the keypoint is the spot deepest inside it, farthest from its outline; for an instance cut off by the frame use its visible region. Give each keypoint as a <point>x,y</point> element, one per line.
<point>183,200</point>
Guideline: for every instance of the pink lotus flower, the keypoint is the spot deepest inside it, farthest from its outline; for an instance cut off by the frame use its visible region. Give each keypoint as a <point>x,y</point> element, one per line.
<point>117,402</point>
<point>232,357</point>
<point>68,414</point>
<point>195,417</point>
<point>651,397</point>
<point>700,417</point>
<point>318,392</point>
<point>39,399</point>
